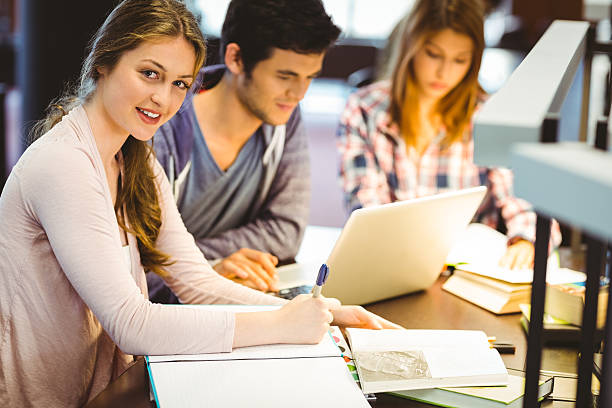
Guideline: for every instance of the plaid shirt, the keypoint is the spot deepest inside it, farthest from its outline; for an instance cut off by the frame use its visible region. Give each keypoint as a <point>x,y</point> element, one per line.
<point>377,168</point>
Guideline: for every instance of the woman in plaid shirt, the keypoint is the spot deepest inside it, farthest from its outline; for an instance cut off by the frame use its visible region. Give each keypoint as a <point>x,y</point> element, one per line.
<point>410,136</point>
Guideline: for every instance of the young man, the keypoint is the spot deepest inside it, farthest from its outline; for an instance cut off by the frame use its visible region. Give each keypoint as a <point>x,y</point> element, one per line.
<point>236,152</point>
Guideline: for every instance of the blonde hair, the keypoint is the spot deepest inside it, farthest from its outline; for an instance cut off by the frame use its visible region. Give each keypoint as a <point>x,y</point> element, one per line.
<point>427,18</point>
<point>130,24</point>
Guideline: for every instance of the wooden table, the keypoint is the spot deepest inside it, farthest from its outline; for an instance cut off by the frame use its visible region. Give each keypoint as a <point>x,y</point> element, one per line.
<point>430,309</point>
<point>437,309</point>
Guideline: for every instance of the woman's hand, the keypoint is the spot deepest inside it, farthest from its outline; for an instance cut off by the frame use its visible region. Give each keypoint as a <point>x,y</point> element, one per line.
<point>357,316</point>
<point>303,320</point>
<point>250,267</point>
<point>519,255</point>
<point>306,319</point>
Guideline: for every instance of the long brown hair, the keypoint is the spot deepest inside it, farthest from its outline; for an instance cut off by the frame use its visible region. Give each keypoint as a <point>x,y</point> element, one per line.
<point>427,18</point>
<point>130,24</point>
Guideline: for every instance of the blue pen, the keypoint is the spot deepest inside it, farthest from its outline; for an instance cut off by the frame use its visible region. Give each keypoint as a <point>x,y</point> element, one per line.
<point>321,278</point>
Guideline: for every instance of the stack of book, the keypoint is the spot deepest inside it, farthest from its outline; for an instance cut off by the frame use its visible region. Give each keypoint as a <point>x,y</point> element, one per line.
<point>554,330</point>
<point>566,301</point>
<point>479,279</point>
<point>496,295</point>
<point>563,313</point>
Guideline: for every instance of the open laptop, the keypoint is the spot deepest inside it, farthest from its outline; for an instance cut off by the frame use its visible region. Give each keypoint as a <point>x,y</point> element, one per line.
<point>391,249</point>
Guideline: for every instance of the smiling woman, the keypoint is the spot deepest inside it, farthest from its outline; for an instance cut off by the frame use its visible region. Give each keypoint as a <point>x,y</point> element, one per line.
<point>83,189</point>
<point>144,90</point>
<point>125,69</point>
<point>87,209</point>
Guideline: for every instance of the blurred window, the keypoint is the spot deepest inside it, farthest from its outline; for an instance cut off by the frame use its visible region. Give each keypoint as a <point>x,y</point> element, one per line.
<point>363,19</point>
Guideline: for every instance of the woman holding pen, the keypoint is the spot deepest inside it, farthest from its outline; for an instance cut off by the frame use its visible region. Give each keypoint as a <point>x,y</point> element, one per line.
<point>87,209</point>
<point>410,136</point>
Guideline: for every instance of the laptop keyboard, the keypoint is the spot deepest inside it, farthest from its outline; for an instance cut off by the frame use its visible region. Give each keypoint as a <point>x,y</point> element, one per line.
<point>290,293</point>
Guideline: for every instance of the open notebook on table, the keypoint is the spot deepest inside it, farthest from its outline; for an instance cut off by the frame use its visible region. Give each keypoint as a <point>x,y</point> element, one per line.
<point>278,375</point>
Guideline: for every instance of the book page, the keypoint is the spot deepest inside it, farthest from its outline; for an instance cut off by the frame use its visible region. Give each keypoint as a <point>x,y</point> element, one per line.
<point>301,383</point>
<point>326,348</point>
<point>514,389</point>
<point>478,244</point>
<point>374,340</point>
<point>554,274</point>
<point>479,249</point>
<point>463,362</point>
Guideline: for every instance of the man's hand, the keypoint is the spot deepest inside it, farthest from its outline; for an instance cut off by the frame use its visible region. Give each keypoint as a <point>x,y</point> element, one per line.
<point>251,268</point>
<point>518,255</point>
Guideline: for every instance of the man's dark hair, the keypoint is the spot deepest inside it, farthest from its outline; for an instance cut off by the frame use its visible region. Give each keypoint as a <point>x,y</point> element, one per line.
<point>257,26</point>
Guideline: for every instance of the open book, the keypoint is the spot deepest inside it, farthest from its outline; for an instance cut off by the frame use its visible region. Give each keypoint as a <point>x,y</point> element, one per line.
<point>395,360</point>
<point>479,279</point>
<point>278,375</point>
<point>479,249</point>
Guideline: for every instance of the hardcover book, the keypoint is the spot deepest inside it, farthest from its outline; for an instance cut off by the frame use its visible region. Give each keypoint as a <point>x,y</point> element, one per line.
<point>395,360</point>
<point>479,279</point>
<point>510,396</point>
<point>566,302</point>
